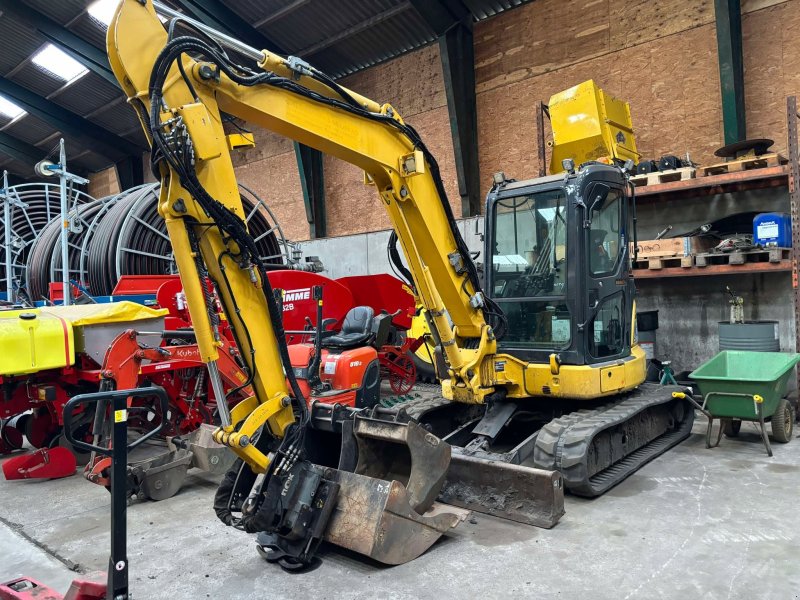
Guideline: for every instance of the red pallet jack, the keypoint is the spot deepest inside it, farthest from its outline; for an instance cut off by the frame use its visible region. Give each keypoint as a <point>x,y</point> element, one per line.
<point>116,586</point>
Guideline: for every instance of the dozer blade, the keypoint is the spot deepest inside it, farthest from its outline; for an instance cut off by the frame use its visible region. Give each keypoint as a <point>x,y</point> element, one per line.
<point>374,517</point>
<point>523,494</point>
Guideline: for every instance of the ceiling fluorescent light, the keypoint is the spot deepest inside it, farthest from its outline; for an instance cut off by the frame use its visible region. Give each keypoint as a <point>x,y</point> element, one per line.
<point>58,63</point>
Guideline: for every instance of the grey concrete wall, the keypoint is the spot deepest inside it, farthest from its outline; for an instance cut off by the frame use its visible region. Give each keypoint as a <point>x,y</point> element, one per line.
<point>365,253</point>
<point>690,309</point>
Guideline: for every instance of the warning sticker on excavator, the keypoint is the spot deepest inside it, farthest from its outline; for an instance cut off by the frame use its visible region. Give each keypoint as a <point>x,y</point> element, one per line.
<point>120,416</point>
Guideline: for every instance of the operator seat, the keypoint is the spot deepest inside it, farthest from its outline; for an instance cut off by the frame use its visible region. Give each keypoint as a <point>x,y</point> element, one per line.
<point>356,329</point>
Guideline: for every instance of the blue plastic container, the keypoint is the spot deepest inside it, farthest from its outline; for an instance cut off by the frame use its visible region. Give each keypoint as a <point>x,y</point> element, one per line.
<point>773,229</point>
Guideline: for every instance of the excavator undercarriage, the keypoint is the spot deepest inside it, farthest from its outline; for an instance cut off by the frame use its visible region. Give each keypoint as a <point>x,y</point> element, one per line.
<point>594,446</point>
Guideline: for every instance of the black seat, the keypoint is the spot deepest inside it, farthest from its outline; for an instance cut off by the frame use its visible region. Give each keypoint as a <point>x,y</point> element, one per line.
<point>356,329</point>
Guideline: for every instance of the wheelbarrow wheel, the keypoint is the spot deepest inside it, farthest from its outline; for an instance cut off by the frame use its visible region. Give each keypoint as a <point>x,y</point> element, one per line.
<point>731,427</point>
<point>783,422</point>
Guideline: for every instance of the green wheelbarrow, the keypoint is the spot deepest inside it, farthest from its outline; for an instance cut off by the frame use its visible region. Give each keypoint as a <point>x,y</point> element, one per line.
<point>741,386</point>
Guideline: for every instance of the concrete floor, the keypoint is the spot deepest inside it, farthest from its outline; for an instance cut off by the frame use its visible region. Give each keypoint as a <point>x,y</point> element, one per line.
<point>695,523</point>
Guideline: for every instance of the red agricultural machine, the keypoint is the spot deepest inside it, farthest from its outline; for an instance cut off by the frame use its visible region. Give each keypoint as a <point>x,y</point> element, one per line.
<point>66,351</point>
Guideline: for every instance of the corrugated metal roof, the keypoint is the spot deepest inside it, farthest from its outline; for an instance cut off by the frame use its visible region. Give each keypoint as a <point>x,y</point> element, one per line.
<point>483,9</point>
<point>340,37</point>
<point>74,96</point>
<point>19,42</point>
<point>88,28</point>
<point>324,22</point>
<point>30,129</point>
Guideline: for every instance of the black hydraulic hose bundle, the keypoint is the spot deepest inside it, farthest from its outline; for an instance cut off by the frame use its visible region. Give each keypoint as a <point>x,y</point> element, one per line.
<point>396,262</point>
<point>246,77</point>
<point>180,158</point>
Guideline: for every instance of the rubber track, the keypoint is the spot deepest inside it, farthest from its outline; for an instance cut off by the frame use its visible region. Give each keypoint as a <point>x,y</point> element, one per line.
<point>563,444</point>
<point>431,398</point>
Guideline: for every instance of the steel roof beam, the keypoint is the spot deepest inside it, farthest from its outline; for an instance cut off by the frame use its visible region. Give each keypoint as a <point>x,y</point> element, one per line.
<point>130,172</point>
<point>19,150</point>
<point>281,13</point>
<point>215,14</point>
<point>442,15</point>
<point>312,181</point>
<point>451,21</point>
<point>89,134</point>
<point>85,53</point>
<point>458,68</point>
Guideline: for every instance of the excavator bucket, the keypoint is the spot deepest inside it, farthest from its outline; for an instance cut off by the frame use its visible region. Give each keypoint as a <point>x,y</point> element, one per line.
<point>45,463</point>
<point>389,475</point>
<point>403,452</point>
<point>374,517</point>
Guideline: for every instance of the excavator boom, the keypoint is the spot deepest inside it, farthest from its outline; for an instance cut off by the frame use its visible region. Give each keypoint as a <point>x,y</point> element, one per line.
<point>183,87</point>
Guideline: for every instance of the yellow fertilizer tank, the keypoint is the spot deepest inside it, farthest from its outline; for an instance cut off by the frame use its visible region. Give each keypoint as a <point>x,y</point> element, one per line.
<point>36,339</point>
<point>588,125</point>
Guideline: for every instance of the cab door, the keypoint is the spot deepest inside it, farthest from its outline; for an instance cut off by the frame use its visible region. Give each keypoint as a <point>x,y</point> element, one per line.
<point>608,288</point>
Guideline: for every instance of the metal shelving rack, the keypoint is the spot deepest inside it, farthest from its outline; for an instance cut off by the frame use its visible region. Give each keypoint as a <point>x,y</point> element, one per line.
<point>792,117</point>
<point>771,177</point>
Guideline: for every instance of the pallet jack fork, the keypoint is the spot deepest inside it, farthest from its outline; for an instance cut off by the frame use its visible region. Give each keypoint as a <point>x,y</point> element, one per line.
<point>116,586</point>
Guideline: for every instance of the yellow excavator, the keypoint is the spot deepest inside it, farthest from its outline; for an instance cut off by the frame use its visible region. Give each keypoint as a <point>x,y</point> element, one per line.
<point>541,377</point>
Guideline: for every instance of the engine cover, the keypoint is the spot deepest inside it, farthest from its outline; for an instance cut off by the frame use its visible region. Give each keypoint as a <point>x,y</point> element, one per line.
<point>346,370</point>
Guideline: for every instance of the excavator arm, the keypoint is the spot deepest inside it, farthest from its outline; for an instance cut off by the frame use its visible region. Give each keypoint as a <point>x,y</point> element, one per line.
<point>180,87</point>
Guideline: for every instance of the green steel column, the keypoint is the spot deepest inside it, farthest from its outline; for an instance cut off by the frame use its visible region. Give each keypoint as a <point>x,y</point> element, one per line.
<point>731,68</point>
<point>309,163</point>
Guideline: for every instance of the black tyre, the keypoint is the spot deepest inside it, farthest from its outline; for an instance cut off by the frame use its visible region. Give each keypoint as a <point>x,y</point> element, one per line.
<point>783,422</point>
<point>425,370</point>
<point>731,427</point>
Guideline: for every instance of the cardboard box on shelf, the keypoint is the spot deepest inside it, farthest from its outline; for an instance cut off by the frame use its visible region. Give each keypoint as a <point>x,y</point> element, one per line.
<point>680,246</point>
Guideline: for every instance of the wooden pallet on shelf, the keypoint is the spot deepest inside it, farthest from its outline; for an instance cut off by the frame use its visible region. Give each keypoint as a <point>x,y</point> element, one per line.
<point>659,177</point>
<point>656,263</point>
<point>772,159</point>
<point>771,255</point>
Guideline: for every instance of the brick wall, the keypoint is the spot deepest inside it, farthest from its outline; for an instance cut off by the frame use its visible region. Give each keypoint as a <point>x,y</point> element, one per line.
<point>660,56</point>
<point>103,183</point>
<point>413,85</point>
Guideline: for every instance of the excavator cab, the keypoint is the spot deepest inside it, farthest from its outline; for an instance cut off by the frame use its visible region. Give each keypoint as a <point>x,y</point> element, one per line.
<point>560,265</point>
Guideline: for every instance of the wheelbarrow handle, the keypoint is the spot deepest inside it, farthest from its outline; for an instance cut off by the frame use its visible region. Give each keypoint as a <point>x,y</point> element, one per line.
<point>107,397</point>
<point>687,395</point>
